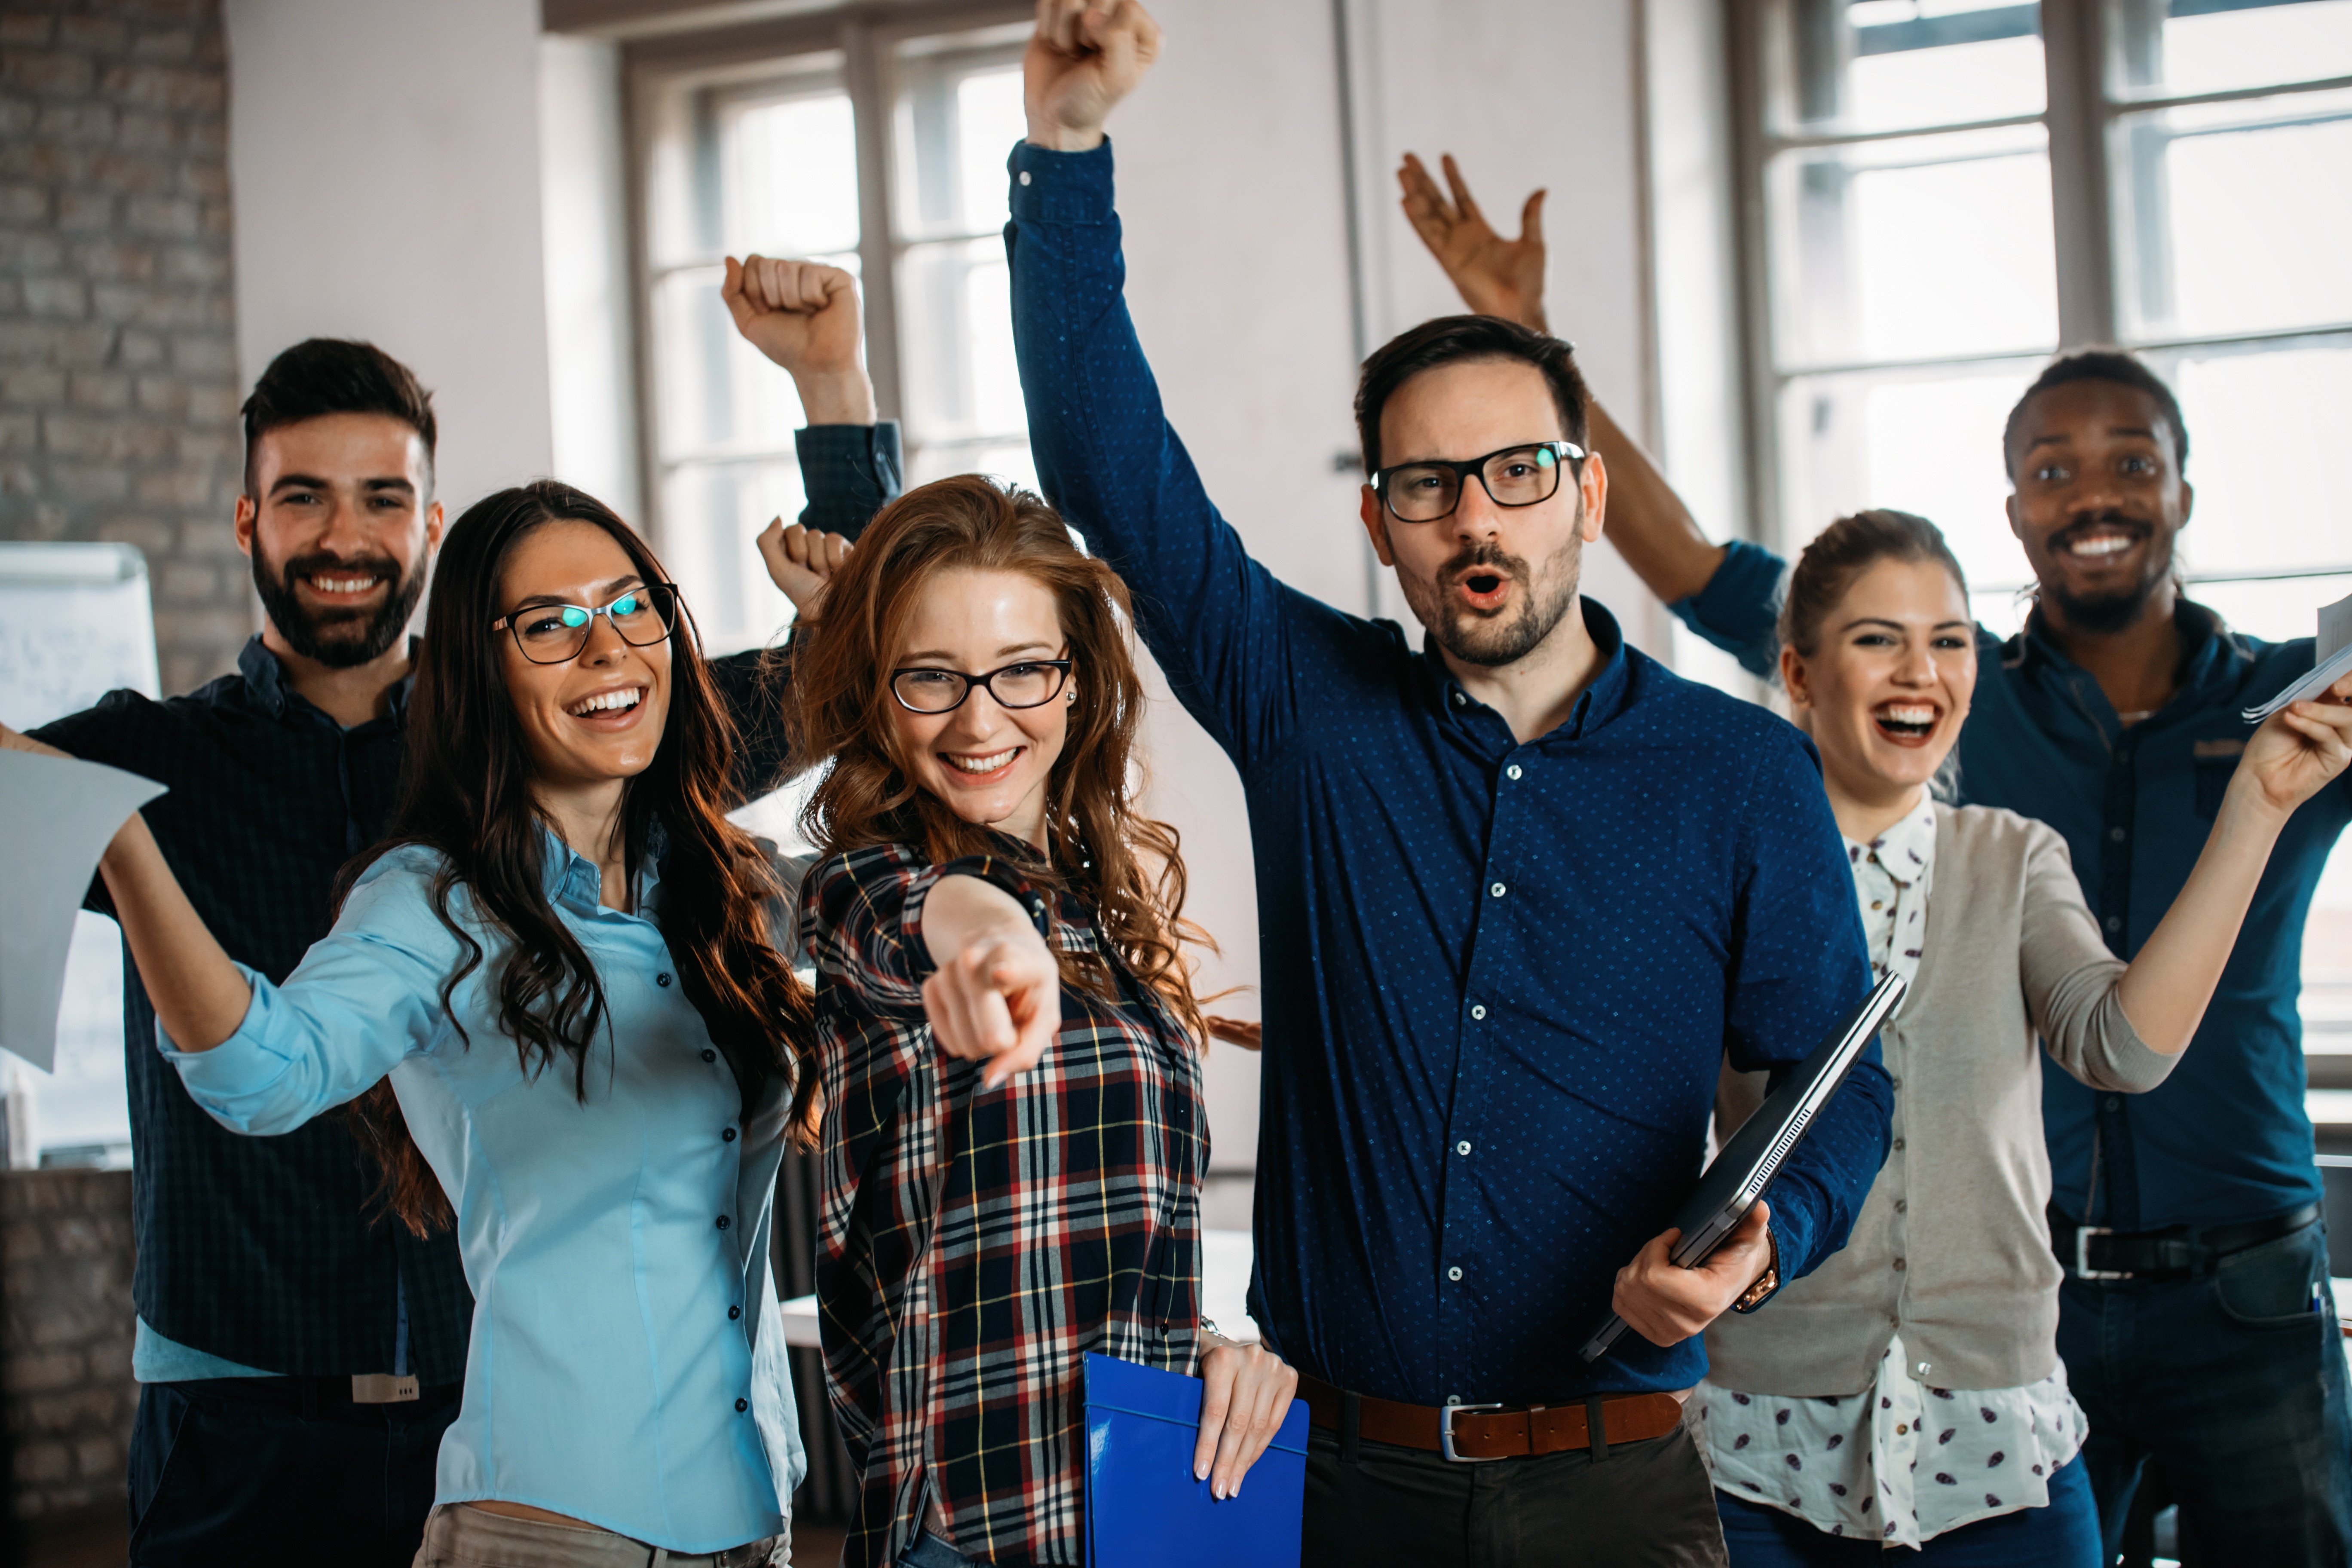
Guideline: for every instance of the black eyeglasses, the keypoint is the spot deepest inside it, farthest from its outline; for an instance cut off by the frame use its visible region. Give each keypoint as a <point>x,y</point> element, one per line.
<point>1516,476</point>
<point>1031,683</point>
<point>554,634</point>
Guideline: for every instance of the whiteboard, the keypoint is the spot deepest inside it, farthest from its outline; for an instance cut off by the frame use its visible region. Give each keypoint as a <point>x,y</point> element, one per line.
<point>74,623</point>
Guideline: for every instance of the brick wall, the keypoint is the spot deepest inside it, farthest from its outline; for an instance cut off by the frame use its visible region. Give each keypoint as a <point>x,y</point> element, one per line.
<point>65,1322</point>
<point>117,365</point>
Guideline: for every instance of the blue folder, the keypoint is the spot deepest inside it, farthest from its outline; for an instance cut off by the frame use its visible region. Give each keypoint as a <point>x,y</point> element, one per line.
<point>1144,1509</point>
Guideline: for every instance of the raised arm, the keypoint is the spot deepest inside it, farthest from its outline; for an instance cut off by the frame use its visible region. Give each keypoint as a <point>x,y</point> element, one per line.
<point>1217,621</point>
<point>1647,522</point>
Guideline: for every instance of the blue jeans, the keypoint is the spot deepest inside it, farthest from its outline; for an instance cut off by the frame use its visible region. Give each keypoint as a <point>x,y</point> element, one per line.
<point>929,1552</point>
<point>2063,1535</point>
<point>2235,1389</point>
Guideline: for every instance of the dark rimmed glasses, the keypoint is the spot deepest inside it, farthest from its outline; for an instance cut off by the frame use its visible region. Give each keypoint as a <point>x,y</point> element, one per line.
<point>1031,683</point>
<point>554,634</point>
<point>1429,491</point>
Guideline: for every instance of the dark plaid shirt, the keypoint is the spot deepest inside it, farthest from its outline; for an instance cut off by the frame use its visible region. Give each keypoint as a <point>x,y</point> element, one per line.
<point>975,1245</point>
<point>263,1250</point>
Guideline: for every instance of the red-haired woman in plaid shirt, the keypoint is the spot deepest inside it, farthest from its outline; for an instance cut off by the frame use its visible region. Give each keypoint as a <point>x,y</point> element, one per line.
<point>1013,1132</point>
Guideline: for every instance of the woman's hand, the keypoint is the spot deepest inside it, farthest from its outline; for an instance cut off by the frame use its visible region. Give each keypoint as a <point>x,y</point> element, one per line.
<point>2298,752</point>
<point>1245,1393</point>
<point>10,741</point>
<point>1666,1304</point>
<point>1496,277</point>
<point>804,316</point>
<point>801,562</point>
<point>997,995</point>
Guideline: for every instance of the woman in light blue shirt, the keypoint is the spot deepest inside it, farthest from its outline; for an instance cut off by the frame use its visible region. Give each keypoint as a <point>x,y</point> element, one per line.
<point>559,965</point>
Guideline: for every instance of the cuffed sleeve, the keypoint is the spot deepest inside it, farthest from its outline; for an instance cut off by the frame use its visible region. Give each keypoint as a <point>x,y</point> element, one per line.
<point>1739,611</point>
<point>851,473</point>
<point>863,917</point>
<point>2072,984</point>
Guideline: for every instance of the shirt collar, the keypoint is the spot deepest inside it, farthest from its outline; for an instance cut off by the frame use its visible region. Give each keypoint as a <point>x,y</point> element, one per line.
<point>1602,699</point>
<point>1906,851</point>
<point>2210,651</point>
<point>275,695</point>
<point>571,879</point>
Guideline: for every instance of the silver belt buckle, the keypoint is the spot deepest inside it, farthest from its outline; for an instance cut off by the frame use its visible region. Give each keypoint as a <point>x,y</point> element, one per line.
<point>2083,1270</point>
<point>382,1388</point>
<point>1445,1436</point>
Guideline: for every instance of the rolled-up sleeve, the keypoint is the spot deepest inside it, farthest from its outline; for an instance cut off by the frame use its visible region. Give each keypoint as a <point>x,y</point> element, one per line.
<point>1739,609</point>
<point>362,999</point>
<point>2072,984</point>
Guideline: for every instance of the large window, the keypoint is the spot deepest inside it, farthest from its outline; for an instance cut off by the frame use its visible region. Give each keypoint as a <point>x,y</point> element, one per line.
<point>1946,191</point>
<point>880,150</point>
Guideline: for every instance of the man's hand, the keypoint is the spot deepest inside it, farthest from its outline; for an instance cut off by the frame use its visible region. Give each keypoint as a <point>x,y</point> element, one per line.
<point>804,316</point>
<point>801,562</point>
<point>1248,1034</point>
<point>1086,55</point>
<point>1496,277</point>
<point>998,1001</point>
<point>1666,1305</point>
<point>1245,1393</point>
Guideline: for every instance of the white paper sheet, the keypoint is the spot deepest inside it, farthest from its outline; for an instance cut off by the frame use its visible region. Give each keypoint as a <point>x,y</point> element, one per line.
<point>60,817</point>
<point>2333,661</point>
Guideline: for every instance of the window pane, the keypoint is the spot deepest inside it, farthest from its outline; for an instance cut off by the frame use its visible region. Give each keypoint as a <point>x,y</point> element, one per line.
<point>2197,46</point>
<point>1924,442</point>
<point>956,310</point>
<point>790,175</point>
<point>1913,248</point>
<point>1885,65</point>
<point>2231,216</point>
<point>712,513</point>
<point>958,115</point>
<point>1006,460</point>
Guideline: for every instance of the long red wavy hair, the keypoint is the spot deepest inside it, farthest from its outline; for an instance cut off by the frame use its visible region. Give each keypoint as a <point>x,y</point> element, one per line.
<point>1103,847</point>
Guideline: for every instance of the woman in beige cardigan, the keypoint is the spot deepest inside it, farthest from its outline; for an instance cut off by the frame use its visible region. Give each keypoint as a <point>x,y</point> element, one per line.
<point>1908,1391</point>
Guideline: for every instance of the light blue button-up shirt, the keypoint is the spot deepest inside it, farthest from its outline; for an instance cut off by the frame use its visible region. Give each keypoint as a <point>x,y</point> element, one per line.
<point>626,1365</point>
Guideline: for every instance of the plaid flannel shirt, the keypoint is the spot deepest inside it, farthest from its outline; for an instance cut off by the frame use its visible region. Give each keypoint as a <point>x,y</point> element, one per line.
<point>975,1245</point>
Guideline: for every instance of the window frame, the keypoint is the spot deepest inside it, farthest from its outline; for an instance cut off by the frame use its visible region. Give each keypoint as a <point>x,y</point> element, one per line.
<point>866,36</point>
<point>2080,110</point>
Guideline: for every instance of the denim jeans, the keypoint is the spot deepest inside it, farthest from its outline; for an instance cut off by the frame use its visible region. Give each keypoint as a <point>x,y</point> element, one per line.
<point>930,1551</point>
<point>2066,1534</point>
<point>2234,1385</point>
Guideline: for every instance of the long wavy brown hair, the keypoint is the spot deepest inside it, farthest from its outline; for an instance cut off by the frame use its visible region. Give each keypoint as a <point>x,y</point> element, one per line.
<point>469,796</point>
<point>1125,864</point>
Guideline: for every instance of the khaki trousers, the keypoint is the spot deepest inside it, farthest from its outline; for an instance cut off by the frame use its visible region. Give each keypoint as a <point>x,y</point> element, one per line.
<point>458,1536</point>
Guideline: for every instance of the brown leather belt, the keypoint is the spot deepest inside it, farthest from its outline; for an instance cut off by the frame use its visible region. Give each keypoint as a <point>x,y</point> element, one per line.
<point>1473,1434</point>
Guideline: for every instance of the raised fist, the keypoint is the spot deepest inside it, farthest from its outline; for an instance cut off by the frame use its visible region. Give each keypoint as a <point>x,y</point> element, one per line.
<point>1087,55</point>
<point>804,315</point>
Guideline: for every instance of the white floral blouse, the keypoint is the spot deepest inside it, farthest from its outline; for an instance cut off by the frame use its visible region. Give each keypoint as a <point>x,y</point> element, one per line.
<point>1901,1462</point>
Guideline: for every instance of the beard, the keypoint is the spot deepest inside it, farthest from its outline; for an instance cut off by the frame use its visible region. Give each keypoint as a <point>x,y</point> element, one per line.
<point>340,639</point>
<point>2117,609</point>
<point>1511,633</point>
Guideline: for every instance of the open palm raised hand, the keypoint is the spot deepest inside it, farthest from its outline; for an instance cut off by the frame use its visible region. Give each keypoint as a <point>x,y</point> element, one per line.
<point>1496,277</point>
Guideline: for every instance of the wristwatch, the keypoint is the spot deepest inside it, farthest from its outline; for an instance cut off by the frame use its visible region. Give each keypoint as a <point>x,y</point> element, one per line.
<point>1756,1295</point>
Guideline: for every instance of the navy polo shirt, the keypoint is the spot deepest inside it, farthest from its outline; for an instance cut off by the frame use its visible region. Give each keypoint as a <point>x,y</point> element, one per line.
<point>2226,1137</point>
<point>1499,978</point>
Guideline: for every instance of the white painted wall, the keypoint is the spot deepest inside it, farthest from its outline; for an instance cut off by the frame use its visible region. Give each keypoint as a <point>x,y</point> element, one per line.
<point>384,164</point>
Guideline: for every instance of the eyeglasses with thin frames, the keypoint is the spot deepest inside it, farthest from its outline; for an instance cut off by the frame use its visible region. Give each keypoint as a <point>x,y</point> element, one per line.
<point>1431,489</point>
<point>1030,683</point>
<point>554,634</point>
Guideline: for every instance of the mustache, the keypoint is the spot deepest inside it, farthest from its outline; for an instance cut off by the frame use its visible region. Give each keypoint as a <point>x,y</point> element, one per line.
<point>324,563</point>
<point>2104,518</point>
<point>1488,555</point>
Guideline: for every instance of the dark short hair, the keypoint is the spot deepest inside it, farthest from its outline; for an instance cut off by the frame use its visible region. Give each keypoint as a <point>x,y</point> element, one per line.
<point>1451,340</point>
<point>1842,552</point>
<point>335,375</point>
<point>2099,364</point>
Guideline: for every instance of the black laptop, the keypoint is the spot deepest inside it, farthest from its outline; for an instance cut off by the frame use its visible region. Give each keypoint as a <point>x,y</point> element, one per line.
<point>1739,1175</point>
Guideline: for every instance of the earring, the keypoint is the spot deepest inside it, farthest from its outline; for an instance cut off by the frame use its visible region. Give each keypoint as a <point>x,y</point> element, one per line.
<point>1072,696</point>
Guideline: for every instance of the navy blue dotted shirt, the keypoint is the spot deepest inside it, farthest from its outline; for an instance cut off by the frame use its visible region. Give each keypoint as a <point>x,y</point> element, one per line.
<point>1499,978</point>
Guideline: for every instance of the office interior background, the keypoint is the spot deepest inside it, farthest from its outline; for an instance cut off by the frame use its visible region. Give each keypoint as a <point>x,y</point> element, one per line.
<point>1811,251</point>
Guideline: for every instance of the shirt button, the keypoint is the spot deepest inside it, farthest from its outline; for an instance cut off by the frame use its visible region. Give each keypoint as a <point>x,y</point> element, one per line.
<point>741,1406</point>
<point>1902,1205</point>
<point>710,1055</point>
<point>1894,1083</point>
<point>724,1222</point>
<point>1902,1428</point>
<point>1898,1266</point>
<point>1477,1009</point>
<point>1511,772</point>
<point>1454,1273</point>
<point>733,1314</point>
<point>1459,699</point>
<point>1462,1147</point>
<point>2114,1102</point>
<point>1496,890</point>
<point>2115,923</point>
<point>662,981</point>
<point>1898,1144</point>
<point>2116,834</point>
<point>728,1136</point>
<point>1024,176</point>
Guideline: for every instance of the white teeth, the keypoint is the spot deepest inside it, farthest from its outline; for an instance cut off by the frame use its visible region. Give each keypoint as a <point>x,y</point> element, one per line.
<point>342,584</point>
<point>2102,544</point>
<point>1906,715</point>
<point>628,696</point>
<point>987,764</point>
